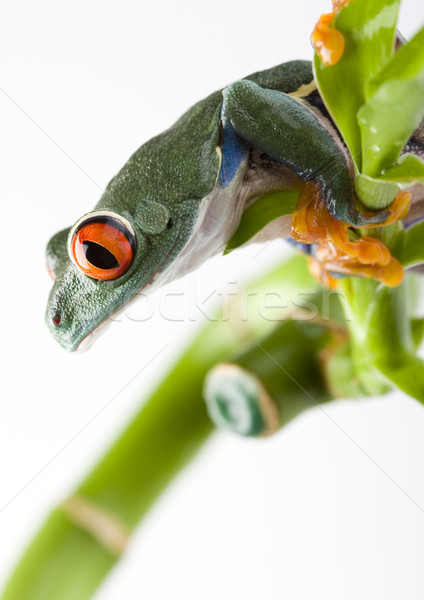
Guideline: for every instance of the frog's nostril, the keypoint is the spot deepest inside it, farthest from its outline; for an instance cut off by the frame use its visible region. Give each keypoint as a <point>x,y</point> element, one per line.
<point>57,319</point>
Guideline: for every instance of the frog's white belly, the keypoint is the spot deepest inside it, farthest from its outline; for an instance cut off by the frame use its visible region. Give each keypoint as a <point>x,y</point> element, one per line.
<point>220,213</point>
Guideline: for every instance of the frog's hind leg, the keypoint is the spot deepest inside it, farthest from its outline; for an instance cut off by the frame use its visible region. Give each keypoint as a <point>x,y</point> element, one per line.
<point>297,135</point>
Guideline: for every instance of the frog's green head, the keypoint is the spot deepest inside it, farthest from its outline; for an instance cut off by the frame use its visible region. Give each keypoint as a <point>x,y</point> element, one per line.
<point>105,259</point>
<point>142,231</point>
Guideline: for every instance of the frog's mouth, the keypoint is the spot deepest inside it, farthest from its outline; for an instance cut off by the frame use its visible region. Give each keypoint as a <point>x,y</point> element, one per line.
<point>91,337</point>
<point>98,331</point>
<point>88,340</point>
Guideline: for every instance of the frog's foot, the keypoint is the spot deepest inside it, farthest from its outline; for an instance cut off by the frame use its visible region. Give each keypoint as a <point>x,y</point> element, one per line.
<point>337,4</point>
<point>321,274</point>
<point>312,223</point>
<point>327,263</point>
<point>329,42</point>
<point>396,211</point>
<point>332,260</point>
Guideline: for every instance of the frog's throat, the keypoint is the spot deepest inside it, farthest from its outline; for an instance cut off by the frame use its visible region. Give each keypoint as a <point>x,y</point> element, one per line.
<point>366,257</point>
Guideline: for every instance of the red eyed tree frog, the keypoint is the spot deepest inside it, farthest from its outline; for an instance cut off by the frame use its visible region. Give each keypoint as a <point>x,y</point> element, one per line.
<point>180,197</point>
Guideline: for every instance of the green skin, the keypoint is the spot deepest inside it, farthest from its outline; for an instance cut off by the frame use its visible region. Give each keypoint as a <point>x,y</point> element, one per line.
<point>227,151</point>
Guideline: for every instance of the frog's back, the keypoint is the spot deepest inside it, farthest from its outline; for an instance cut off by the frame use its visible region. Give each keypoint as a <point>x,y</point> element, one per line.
<point>197,122</point>
<point>182,162</point>
<point>287,77</point>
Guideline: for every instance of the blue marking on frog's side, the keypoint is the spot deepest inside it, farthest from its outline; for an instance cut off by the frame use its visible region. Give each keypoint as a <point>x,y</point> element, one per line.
<point>234,151</point>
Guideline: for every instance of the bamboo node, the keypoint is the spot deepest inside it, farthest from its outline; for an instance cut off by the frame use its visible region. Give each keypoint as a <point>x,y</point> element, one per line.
<point>105,527</point>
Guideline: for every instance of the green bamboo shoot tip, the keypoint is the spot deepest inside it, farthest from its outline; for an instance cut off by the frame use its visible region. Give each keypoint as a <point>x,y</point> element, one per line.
<point>237,400</point>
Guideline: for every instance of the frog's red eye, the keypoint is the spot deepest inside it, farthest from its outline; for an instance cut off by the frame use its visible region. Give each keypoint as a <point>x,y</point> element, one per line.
<point>102,246</point>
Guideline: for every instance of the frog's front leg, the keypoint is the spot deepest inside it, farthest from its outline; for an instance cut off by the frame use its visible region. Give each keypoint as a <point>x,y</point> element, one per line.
<point>293,134</point>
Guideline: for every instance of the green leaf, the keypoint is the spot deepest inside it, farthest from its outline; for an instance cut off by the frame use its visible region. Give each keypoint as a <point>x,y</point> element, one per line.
<point>387,121</point>
<point>262,212</point>
<point>412,251</point>
<point>368,29</point>
<point>381,333</point>
<point>393,110</point>
<point>407,62</point>
<point>408,375</point>
<point>388,322</point>
<point>409,169</point>
<point>417,328</point>
<point>340,370</point>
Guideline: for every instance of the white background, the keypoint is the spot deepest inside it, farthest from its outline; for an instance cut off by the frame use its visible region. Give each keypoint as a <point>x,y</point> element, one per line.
<point>333,506</point>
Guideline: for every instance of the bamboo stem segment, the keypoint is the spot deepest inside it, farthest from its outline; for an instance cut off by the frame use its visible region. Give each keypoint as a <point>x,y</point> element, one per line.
<point>83,538</point>
<point>273,380</point>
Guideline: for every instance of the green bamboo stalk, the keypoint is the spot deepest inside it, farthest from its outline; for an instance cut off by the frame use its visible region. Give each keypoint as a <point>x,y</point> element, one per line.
<point>85,536</point>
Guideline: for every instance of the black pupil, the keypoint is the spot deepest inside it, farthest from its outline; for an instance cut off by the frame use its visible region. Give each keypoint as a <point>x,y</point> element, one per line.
<point>99,256</point>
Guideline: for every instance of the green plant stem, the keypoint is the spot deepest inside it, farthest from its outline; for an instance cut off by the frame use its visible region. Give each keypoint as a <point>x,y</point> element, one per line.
<point>66,561</point>
<point>85,536</point>
<point>384,337</point>
<point>261,389</point>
